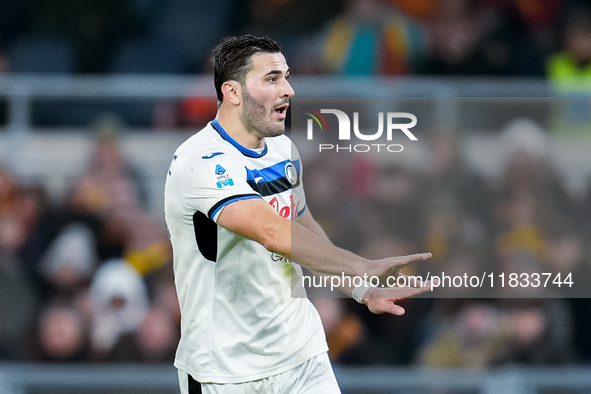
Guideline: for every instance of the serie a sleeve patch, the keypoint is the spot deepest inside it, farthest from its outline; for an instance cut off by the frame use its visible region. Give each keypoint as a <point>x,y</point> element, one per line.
<point>221,176</point>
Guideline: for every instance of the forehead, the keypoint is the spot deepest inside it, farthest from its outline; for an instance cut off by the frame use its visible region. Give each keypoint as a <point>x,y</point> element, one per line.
<point>263,63</point>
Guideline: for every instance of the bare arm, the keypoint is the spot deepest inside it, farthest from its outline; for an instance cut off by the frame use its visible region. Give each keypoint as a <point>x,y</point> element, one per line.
<point>257,220</point>
<point>378,300</point>
<point>305,242</point>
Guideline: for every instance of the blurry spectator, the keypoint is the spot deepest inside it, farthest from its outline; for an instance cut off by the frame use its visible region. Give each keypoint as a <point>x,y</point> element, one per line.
<point>567,253</point>
<point>70,261</point>
<point>161,283</point>
<point>119,302</point>
<point>570,69</point>
<point>326,181</point>
<point>396,196</point>
<point>17,294</point>
<point>569,72</point>
<point>109,195</point>
<point>536,332</point>
<point>479,40</point>
<point>62,335</point>
<point>520,215</point>
<point>522,36</point>
<point>17,307</point>
<point>371,37</point>
<point>379,339</point>
<point>296,32</point>
<point>481,334</point>
<point>532,201</point>
<point>268,16</point>
<point>463,25</point>
<point>470,338</point>
<point>41,222</point>
<point>157,337</point>
<point>154,341</point>
<point>343,331</point>
<point>570,254</point>
<point>148,247</point>
<point>108,164</point>
<point>165,115</point>
<point>455,202</point>
<point>13,229</point>
<point>197,111</point>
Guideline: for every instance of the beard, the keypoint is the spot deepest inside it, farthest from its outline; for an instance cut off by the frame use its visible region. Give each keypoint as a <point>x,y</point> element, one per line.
<point>258,118</point>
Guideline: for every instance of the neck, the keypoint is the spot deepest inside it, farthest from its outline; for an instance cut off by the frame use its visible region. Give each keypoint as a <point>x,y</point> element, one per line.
<point>235,128</point>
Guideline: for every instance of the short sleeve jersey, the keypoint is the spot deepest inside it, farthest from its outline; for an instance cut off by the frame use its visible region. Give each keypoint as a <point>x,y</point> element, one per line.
<point>240,320</point>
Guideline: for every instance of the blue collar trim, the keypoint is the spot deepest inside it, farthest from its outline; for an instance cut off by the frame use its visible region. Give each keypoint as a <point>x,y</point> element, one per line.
<point>243,150</point>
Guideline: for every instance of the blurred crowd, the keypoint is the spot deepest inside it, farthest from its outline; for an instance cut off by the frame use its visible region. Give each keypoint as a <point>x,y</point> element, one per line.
<point>90,278</point>
<point>452,37</point>
<point>495,38</point>
<point>526,221</point>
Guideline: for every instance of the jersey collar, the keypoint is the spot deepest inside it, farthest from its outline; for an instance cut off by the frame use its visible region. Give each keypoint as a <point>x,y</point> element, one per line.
<point>243,150</point>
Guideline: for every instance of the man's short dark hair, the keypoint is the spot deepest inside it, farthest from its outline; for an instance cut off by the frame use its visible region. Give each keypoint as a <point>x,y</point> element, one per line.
<point>232,58</point>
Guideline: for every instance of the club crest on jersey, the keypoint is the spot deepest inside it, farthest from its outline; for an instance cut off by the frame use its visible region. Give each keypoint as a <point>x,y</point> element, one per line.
<point>291,173</point>
<point>222,176</point>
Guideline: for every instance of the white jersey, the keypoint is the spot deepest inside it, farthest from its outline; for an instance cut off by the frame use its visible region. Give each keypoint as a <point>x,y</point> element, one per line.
<point>240,321</point>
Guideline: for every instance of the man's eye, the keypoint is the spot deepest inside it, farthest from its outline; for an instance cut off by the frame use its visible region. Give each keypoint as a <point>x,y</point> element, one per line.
<point>272,79</point>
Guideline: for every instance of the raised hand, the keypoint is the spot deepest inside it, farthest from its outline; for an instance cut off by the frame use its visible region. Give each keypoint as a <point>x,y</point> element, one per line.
<point>391,266</point>
<point>383,300</point>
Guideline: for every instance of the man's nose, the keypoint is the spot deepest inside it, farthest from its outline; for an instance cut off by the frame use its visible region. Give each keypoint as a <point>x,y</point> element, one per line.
<point>288,90</point>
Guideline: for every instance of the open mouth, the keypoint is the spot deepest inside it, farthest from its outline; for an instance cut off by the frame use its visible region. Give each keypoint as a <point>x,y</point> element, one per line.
<point>282,110</point>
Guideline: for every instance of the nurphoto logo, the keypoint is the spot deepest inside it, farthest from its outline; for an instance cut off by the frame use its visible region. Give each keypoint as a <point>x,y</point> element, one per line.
<point>344,130</point>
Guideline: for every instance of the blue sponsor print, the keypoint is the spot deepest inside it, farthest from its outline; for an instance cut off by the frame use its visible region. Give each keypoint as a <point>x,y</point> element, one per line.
<point>227,182</point>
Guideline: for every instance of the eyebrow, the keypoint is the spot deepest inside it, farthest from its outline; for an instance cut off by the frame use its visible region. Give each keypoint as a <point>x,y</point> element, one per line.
<point>277,72</point>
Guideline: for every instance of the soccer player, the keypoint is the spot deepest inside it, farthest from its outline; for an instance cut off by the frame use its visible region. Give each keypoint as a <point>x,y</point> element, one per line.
<point>236,213</point>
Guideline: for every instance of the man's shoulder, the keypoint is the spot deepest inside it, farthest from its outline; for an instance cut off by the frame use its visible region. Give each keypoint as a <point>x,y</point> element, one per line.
<point>202,150</point>
<point>204,137</point>
<point>206,143</point>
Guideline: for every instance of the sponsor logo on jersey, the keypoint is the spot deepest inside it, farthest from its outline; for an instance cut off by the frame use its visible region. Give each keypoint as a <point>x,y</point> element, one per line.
<point>228,182</point>
<point>277,257</point>
<point>286,211</point>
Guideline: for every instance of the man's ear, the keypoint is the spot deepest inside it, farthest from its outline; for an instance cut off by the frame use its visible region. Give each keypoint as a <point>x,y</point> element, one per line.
<point>232,92</point>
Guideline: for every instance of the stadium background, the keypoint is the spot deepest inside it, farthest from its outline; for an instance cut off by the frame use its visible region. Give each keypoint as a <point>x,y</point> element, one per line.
<point>96,94</point>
